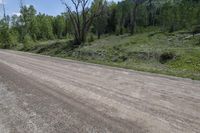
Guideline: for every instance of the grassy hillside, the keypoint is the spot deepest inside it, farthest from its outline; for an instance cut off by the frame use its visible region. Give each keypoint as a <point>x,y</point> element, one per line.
<point>175,54</point>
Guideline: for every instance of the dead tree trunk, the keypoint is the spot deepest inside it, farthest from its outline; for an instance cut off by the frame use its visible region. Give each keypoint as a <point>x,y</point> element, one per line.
<point>4,10</point>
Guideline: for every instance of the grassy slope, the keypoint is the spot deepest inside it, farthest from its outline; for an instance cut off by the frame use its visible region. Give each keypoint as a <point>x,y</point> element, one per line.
<point>145,52</point>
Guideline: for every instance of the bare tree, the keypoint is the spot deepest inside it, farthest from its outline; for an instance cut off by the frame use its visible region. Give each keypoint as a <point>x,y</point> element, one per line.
<point>4,10</point>
<point>82,16</point>
<point>21,3</point>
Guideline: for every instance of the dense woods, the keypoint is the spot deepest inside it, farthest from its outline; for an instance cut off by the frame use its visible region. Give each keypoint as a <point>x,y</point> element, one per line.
<point>98,18</point>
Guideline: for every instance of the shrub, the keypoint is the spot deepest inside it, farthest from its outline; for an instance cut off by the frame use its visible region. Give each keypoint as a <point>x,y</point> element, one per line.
<point>196,30</point>
<point>166,56</point>
<point>13,38</point>
<point>91,38</point>
<point>27,42</point>
<point>8,40</point>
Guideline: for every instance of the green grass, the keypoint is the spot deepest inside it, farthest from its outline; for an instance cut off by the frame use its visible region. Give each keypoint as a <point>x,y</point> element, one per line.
<point>176,54</point>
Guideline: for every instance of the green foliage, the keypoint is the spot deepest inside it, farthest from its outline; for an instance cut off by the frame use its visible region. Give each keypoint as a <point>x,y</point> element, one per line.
<point>59,26</point>
<point>112,18</point>
<point>27,42</point>
<point>157,52</point>
<point>45,26</point>
<point>6,39</point>
<point>34,29</point>
<point>116,18</point>
<point>179,15</point>
<point>161,53</point>
<point>100,23</point>
<point>13,38</point>
<point>91,38</point>
<point>26,20</point>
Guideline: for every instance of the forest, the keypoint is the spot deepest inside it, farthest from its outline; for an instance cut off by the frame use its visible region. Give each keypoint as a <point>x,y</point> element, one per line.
<point>129,34</point>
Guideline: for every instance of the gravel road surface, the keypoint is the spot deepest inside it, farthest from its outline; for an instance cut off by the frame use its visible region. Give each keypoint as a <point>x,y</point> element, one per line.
<point>41,94</point>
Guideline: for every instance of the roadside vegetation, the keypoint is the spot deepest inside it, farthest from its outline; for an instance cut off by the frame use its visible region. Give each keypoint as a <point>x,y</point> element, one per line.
<point>172,54</point>
<point>148,35</point>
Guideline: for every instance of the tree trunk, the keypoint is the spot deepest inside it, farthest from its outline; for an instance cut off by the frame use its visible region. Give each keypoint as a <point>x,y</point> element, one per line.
<point>99,35</point>
<point>121,26</point>
<point>134,23</point>
<point>150,15</point>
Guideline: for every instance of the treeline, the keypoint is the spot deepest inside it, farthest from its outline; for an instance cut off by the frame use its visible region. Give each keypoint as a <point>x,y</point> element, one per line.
<point>128,16</point>
<point>29,27</point>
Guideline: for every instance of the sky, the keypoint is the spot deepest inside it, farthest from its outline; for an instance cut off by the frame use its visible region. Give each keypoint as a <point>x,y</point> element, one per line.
<point>50,7</point>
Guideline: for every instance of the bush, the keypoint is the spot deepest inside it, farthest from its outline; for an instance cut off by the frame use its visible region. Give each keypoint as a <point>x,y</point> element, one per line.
<point>13,38</point>
<point>196,30</point>
<point>27,42</point>
<point>8,40</point>
<point>166,56</point>
<point>198,43</point>
<point>121,58</point>
<point>91,38</point>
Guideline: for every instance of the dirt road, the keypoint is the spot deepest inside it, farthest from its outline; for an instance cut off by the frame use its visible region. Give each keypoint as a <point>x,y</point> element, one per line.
<point>40,94</point>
